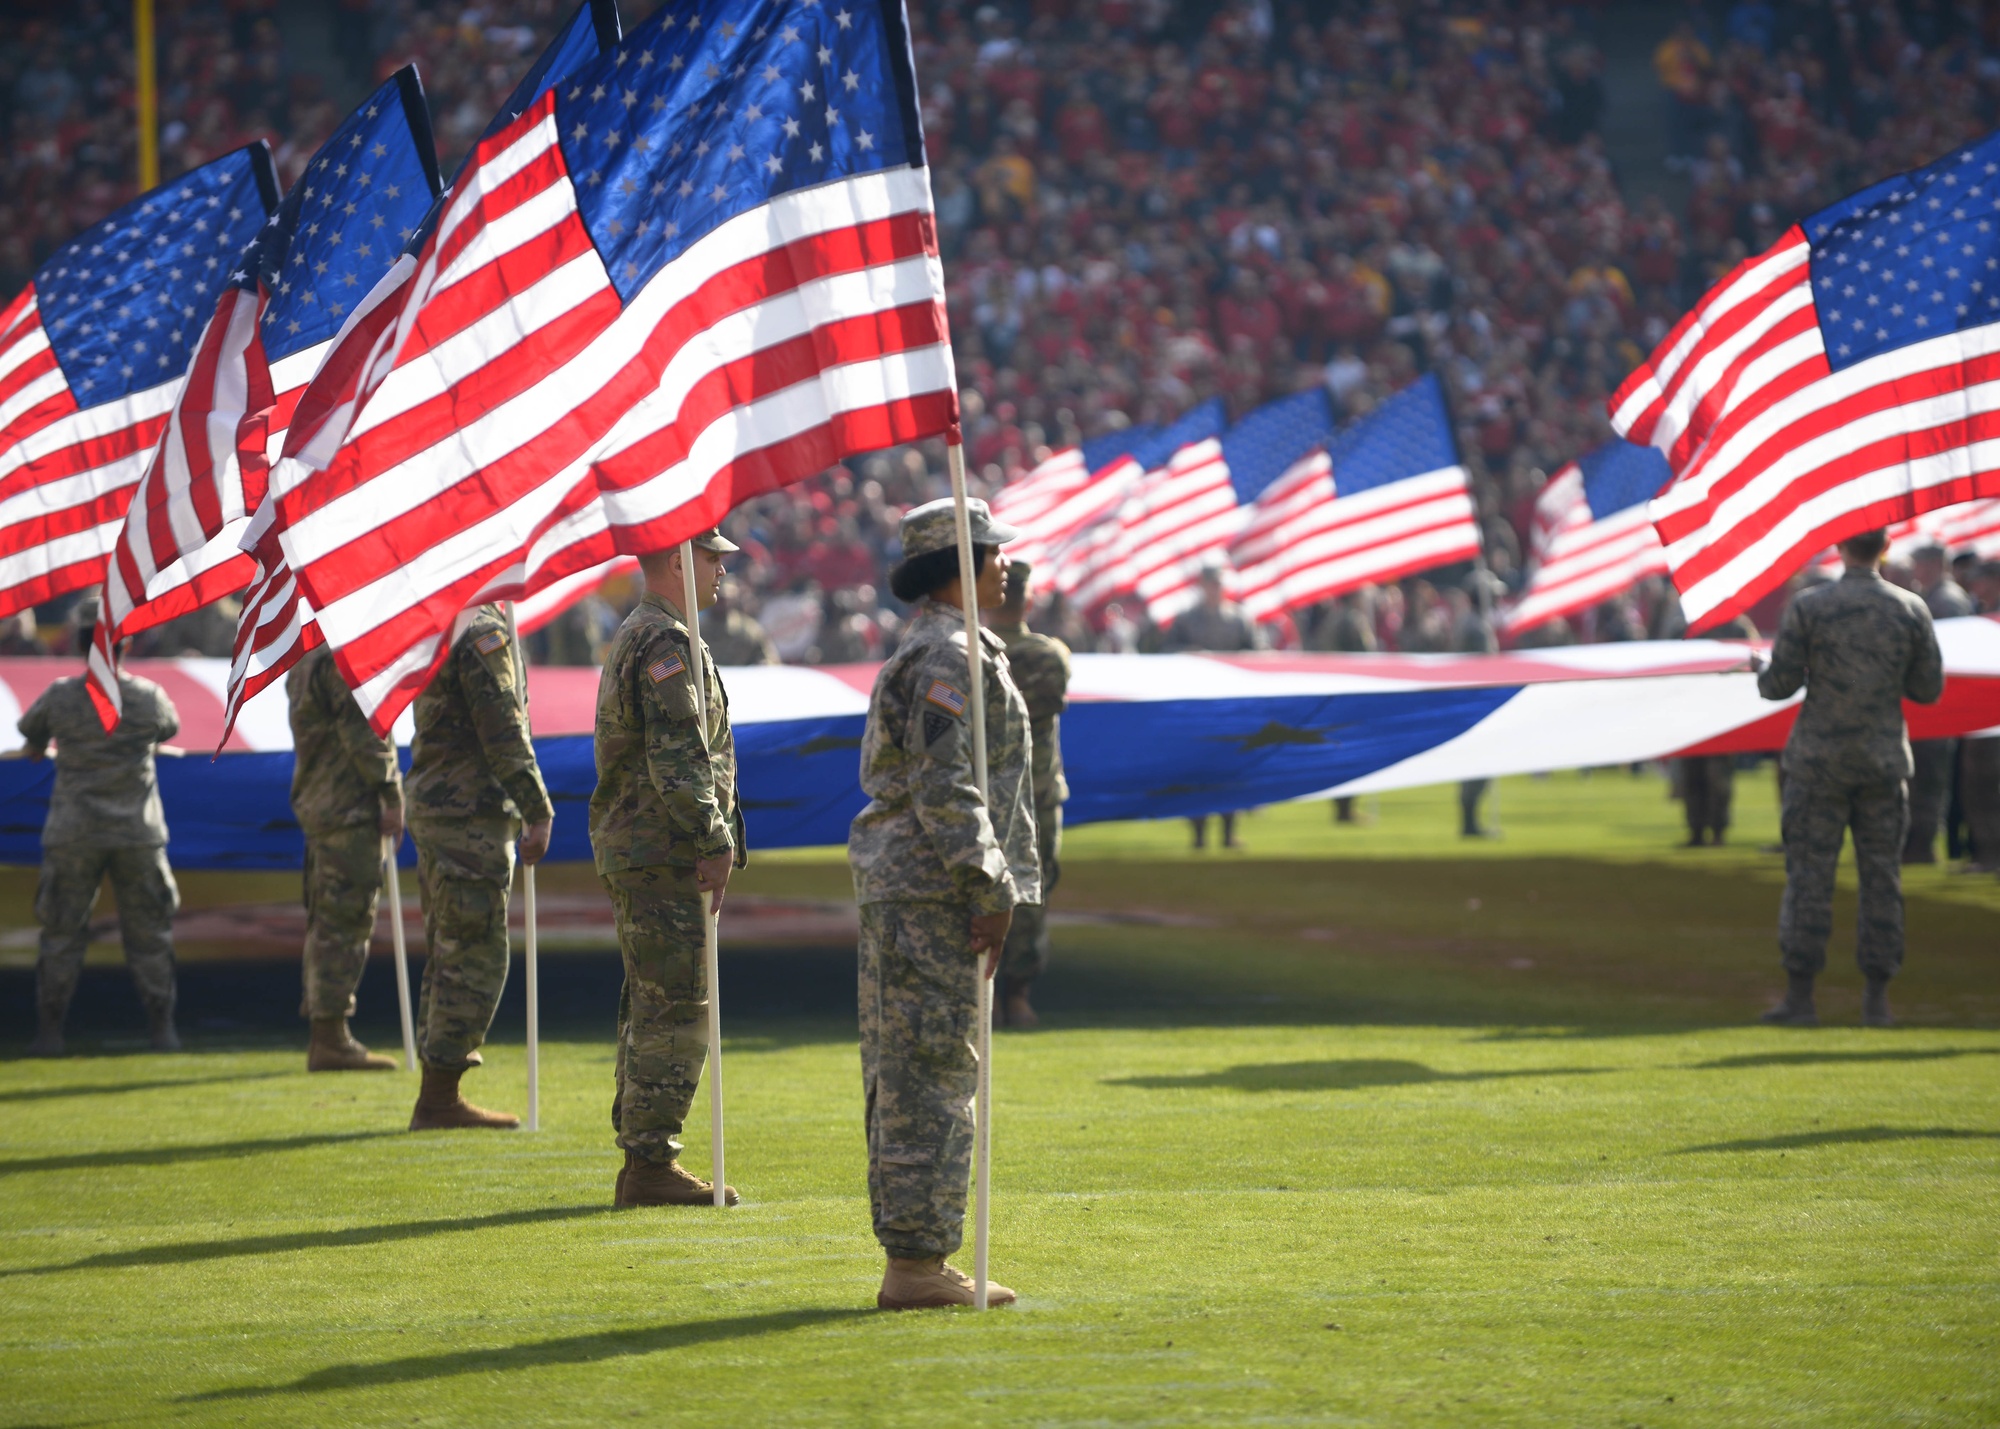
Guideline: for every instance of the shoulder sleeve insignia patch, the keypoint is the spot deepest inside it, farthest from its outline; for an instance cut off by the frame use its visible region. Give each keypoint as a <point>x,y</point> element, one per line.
<point>668,668</point>
<point>489,642</point>
<point>945,697</point>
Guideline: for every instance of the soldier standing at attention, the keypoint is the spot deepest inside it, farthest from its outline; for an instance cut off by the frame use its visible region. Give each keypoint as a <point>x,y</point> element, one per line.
<point>1930,783</point>
<point>104,817</point>
<point>347,794</point>
<point>1860,647</point>
<point>938,873</point>
<point>733,636</point>
<point>666,832</point>
<point>1040,667</point>
<point>473,785</point>
<point>1214,622</point>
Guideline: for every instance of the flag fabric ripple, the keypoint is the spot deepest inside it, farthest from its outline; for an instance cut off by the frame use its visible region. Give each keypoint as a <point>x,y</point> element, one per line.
<point>1593,537</point>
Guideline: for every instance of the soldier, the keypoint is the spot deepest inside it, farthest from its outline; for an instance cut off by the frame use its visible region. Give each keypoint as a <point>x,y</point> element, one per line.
<point>1930,783</point>
<point>1214,623</point>
<point>104,817</point>
<point>473,785</point>
<point>733,636</point>
<point>1347,626</point>
<point>1040,667</point>
<point>1979,766</point>
<point>1472,633</point>
<point>1706,783</point>
<point>666,832</point>
<point>347,794</point>
<point>1860,647</point>
<point>937,873</point>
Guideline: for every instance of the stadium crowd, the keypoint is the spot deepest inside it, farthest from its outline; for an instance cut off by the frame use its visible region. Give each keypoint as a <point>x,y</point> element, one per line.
<point>1144,204</point>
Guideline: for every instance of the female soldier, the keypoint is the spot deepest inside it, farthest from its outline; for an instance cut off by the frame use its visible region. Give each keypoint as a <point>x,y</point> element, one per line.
<point>937,873</point>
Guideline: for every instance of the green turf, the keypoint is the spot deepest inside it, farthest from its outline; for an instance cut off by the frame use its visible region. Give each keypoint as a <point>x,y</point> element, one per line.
<point>1362,1127</point>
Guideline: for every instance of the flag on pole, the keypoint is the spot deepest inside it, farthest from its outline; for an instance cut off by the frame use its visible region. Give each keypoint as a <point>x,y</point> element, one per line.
<point>276,627</point>
<point>703,267</point>
<point>1389,498</point>
<point>1599,538</point>
<point>93,354</point>
<point>1093,562</point>
<point>1840,381</point>
<point>359,199</point>
<point>1052,500</point>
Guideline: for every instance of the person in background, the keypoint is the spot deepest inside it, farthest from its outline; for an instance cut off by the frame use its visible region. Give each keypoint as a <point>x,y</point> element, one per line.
<point>731,633</point>
<point>1472,633</point>
<point>1979,759</point>
<point>1934,759</point>
<point>1859,647</point>
<point>104,818</point>
<point>1214,622</point>
<point>1707,782</point>
<point>1347,627</point>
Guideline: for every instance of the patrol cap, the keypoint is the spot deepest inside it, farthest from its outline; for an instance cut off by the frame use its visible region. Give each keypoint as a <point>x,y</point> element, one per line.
<point>713,540</point>
<point>934,527</point>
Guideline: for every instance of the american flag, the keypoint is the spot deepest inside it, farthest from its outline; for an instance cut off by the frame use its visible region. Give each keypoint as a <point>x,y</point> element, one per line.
<point>700,268</point>
<point>358,201</point>
<point>1389,498</point>
<point>1595,537</point>
<point>1841,381</point>
<point>93,354</point>
<point>1058,496</point>
<point>276,626</point>
<point>1094,561</point>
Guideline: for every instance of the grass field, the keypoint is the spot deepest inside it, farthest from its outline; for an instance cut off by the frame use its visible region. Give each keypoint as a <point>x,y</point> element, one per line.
<point>1364,1126</point>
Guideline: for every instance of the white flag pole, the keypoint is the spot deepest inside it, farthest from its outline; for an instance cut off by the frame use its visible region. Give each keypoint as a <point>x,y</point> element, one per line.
<point>396,940</point>
<point>983,1035</point>
<point>691,613</point>
<point>534,1004</point>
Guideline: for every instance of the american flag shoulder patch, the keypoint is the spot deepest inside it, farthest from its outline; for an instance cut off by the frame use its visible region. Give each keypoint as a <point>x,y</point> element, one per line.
<point>666,669</point>
<point>945,697</point>
<point>489,642</point>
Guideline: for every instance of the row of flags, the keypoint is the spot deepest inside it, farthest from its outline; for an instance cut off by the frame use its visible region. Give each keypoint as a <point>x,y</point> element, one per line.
<point>687,266</point>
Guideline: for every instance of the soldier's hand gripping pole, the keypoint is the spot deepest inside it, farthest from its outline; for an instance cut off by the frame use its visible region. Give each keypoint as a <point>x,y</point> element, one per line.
<point>395,886</point>
<point>691,612</point>
<point>983,1033</point>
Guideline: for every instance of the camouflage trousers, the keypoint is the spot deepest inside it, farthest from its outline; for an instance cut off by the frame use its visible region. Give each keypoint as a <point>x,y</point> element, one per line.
<point>1930,787</point>
<point>147,897</point>
<point>1708,788</point>
<point>466,870</point>
<point>343,883</point>
<point>662,1009</point>
<point>1026,956</point>
<point>1817,815</point>
<point>918,1071</point>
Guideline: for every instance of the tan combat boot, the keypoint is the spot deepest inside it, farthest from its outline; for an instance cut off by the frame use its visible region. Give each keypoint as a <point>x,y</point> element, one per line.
<point>333,1049</point>
<point>440,1107</point>
<point>666,1183</point>
<point>931,1285</point>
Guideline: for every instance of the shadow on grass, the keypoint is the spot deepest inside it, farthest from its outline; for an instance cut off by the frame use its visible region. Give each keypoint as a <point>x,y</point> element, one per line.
<point>174,1155</point>
<point>1803,1140</point>
<point>1334,1076</point>
<point>187,1253</point>
<point>1812,1059</point>
<point>573,1349</point>
<point>92,1089</point>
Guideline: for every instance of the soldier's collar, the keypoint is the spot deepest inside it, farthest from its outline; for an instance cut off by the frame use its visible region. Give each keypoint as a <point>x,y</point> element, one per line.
<point>659,603</point>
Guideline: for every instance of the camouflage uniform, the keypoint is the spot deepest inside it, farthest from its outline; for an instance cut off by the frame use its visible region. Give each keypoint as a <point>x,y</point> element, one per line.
<point>344,777</point>
<point>1932,759</point>
<point>1039,665</point>
<point>1859,646</point>
<point>104,817</point>
<point>928,856</point>
<point>734,638</point>
<point>473,782</point>
<point>664,799</point>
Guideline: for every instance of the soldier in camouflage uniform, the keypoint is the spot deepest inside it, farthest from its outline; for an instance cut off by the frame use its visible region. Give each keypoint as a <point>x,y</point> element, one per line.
<point>473,786</point>
<point>1932,760</point>
<point>666,832</point>
<point>1859,646</point>
<point>733,636</point>
<point>938,873</point>
<point>1040,667</point>
<point>104,817</point>
<point>347,794</point>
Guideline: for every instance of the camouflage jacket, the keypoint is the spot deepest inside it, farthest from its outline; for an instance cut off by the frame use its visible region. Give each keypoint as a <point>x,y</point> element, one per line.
<point>1860,647</point>
<point>925,834</point>
<point>472,757</point>
<point>1040,667</point>
<point>343,773</point>
<point>737,639</point>
<point>664,798</point>
<point>107,794</point>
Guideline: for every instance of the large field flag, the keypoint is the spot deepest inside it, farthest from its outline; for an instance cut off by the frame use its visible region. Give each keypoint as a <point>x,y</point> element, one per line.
<point>93,354</point>
<point>276,625</point>
<point>1593,534</point>
<point>1390,499</point>
<point>357,202</point>
<point>1843,380</point>
<point>703,267</point>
